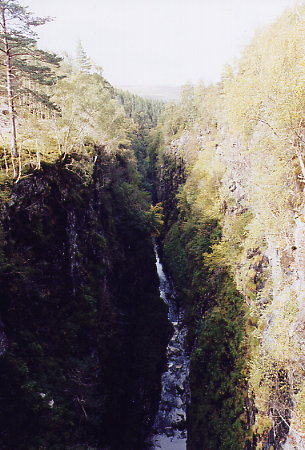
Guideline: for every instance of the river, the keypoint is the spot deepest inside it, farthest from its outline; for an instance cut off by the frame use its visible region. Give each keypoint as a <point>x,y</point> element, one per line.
<point>169,429</point>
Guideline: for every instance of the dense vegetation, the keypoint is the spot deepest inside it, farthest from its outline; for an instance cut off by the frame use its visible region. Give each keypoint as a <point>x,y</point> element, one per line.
<point>214,316</point>
<point>81,312</point>
<point>231,165</point>
<point>82,329</point>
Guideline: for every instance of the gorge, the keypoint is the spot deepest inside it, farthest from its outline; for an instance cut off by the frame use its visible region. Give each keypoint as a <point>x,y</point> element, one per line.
<point>152,257</point>
<point>169,426</point>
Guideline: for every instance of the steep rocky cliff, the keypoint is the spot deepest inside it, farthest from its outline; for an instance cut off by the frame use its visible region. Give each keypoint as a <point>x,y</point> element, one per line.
<point>82,327</point>
<point>239,272</point>
<point>83,330</point>
<point>214,316</point>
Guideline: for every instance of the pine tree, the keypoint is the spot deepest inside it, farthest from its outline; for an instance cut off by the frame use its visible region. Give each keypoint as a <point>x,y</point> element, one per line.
<point>82,59</point>
<point>21,59</point>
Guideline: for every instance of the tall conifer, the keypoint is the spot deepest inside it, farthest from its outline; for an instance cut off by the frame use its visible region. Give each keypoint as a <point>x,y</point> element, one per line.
<point>21,59</point>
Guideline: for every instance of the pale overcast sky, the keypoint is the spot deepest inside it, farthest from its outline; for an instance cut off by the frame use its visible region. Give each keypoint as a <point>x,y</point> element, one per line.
<point>155,42</point>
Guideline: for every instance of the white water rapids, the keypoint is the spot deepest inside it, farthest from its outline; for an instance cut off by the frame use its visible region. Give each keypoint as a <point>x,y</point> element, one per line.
<point>169,429</point>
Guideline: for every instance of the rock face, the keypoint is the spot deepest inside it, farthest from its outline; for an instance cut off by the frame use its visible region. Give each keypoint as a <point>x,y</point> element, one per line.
<point>263,247</point>
<point>83,330</point>
<point>270,274</point>
<point>214,318</point>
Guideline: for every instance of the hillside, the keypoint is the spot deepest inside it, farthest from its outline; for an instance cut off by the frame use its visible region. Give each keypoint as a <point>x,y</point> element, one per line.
<point>165,93</point>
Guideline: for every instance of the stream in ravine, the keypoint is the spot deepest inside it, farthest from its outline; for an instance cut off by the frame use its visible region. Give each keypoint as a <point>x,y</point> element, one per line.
<point>169,429</point>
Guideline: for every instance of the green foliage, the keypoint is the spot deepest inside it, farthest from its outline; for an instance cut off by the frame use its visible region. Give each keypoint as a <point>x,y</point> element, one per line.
<point>175,256</point>
<point>154,219</point>
<point>215,314</point>
<point>215,318</point>
<point>25,68</point>
<point>81,310</point>
<point>88,113</point>
<point>144,113</point>
<point>230,163</point>
<point>216,380</point>
<point>233,155</point>
<point>27,62</point>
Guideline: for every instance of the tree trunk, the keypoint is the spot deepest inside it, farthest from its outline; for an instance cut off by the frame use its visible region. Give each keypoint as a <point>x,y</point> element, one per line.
<point>9,86</point>
<point>301,162</point>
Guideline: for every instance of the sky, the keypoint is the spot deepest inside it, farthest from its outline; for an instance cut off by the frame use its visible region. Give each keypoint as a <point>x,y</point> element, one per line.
<point>155,42</point>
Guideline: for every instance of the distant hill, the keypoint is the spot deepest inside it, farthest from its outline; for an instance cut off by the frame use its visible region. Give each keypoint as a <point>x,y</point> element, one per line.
<point>166,93</point>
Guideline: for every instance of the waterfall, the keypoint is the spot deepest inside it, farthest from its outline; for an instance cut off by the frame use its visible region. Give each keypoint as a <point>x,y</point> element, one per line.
<point>169,429</point>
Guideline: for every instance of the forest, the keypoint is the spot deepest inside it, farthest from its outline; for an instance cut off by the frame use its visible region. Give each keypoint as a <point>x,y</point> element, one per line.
<point>90,177</point>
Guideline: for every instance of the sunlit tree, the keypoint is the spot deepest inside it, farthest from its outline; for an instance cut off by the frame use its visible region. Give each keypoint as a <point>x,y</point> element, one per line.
<point>21,59</point>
